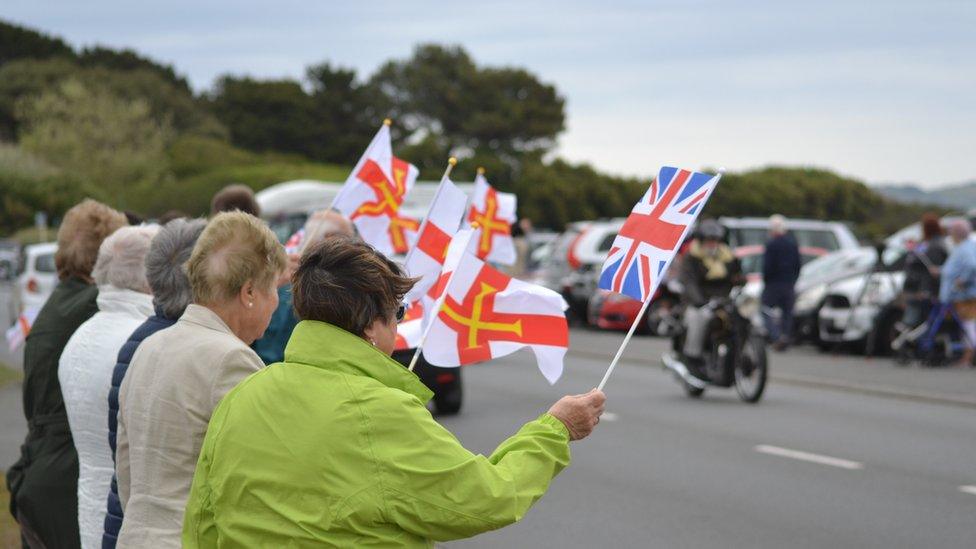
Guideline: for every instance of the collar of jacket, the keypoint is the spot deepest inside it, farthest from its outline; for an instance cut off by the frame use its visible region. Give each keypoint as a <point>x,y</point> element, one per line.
<point>117,300</point>
<point>204,317</point>
<point>326,346</point>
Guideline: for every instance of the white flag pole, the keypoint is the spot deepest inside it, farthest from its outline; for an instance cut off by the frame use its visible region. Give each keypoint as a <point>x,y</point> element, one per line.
<point>451,162</point>
<point>630,333</point>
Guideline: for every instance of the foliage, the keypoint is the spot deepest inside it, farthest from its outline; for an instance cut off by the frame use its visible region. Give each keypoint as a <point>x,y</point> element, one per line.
<point>17,42</point>
<point>192,194</point>
<point>28,184</point>
<point>810,193</point>
<point>168,102</point>
<point>439,95</point>
<point>101,137</point>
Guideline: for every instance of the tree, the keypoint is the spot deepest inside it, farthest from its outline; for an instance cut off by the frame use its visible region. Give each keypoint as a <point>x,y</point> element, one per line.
<point>93,133</point>
<point>129,60</point>
<point>168,102</point>
<point>441,96</point>
<point>17,42</point>
<point>343,114</point>
<point>268,115</point>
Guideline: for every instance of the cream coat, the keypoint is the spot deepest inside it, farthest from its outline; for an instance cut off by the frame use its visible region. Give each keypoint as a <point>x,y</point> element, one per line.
<point>173,384</point>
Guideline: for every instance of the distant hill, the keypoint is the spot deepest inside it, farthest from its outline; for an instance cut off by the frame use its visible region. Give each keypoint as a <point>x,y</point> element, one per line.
<point>960,197</point>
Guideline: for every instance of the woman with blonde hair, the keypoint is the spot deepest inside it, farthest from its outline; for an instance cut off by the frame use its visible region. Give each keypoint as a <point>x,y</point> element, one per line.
<point>178,375</point>
<point>43,483</point>
<point>85,371</point>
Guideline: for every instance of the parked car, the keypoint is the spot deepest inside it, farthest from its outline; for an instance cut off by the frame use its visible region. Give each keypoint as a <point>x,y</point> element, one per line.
<point>815,280</point>
<point>9,261</point>
<point>574,265</point>
<point>39,275</point>
<point>444,382</point>
<point>861,310</point>
<point>809,233</point>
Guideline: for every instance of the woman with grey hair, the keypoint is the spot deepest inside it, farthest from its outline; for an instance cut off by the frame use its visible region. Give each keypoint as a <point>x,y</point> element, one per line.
<point>168,253</point>
<point>85,367</point>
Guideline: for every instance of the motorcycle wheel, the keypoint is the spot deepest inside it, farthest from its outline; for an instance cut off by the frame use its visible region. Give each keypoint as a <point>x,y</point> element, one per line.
<point>751,370</point>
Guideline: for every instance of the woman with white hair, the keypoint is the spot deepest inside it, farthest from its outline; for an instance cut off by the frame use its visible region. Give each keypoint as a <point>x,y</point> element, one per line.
<point>85,367</point>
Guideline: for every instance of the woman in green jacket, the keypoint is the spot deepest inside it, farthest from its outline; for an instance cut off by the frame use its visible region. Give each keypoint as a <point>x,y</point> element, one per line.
<point>335,446</point>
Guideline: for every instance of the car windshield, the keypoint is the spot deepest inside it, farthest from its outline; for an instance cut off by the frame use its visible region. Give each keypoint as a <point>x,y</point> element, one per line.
<point>607,242</point>
<point>44,263</point>
<point>806,238</point>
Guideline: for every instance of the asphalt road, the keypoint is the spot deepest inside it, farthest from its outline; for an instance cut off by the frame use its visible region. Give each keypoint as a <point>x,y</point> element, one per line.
<point>807,467</point>
<point>667,471</point>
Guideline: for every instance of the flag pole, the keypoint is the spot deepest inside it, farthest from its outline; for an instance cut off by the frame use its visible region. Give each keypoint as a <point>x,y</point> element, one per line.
<point>451,162</point>
<point>630,333</point>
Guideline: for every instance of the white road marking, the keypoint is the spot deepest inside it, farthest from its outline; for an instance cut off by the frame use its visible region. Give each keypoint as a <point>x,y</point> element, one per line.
<point>968,490</point>
<point>609,416</point>
<point>806,456</point>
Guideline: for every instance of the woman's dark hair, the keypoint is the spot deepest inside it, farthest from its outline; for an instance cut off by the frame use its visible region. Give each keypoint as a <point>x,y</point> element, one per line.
<point>931,227</point>
<point>235,197</point>
<point>345,282</point>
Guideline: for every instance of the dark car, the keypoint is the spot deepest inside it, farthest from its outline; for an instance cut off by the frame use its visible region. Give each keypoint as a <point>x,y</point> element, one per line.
<point>444,382</point>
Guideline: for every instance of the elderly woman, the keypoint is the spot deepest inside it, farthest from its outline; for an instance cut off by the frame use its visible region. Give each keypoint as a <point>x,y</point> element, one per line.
<point>44,482</point>
<point>169,251</point>
<point>335,447</point>
<point>958,284</point>
<point>320,225</point>
<point>85,369</point>
<point>178,375</point>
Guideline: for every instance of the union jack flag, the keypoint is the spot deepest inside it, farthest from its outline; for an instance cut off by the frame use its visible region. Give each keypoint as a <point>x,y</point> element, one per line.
<point>657,226</point>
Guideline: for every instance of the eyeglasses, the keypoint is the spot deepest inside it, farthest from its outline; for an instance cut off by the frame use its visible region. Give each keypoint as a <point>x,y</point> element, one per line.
<point>401,312</point>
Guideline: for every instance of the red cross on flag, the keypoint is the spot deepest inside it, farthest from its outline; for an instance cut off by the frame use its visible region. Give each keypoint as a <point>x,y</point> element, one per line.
<point>486,314</point>
<point>373,194</point>
<point>494,212</point>
<point>426,258</point>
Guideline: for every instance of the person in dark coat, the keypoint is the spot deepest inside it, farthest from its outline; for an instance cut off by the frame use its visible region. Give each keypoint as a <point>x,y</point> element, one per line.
<point>922,271</point>
<point>169,251</point>
<point>43,484</point>
<point>781,268</point>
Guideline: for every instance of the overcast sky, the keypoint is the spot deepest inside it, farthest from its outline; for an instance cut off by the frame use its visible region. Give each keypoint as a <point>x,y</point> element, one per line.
<point>883,91</point>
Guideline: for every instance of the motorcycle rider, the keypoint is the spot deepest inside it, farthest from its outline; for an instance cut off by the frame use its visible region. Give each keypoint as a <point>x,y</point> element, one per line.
<point>709,270</point>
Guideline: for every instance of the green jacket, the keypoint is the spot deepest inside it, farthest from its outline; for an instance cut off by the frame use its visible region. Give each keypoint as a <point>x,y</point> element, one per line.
<point>335,447</point>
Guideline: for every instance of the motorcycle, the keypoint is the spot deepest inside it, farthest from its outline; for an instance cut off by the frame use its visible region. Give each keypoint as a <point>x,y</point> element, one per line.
<point>734,354</point>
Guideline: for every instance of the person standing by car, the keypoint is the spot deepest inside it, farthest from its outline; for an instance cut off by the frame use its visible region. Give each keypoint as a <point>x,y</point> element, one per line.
<point>958,284</point>
<point>709,270</point>
<point>781,269</point>
<point>922,269</point>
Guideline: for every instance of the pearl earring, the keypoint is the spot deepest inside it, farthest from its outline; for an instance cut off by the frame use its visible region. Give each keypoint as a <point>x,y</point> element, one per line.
<point>250,304</point>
